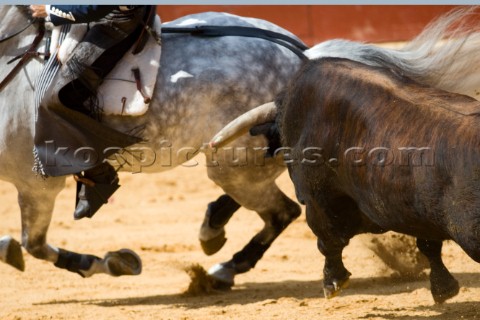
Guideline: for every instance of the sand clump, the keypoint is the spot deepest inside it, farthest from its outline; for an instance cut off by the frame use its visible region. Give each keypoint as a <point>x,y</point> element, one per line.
<point>399,252</point>
<point>200,282</point>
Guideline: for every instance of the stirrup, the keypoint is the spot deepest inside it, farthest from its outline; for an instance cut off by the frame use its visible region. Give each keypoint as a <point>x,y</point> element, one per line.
<point>93,190</point>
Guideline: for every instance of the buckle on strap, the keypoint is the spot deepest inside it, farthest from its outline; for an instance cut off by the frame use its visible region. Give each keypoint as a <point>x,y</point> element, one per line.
<point>85,181</point>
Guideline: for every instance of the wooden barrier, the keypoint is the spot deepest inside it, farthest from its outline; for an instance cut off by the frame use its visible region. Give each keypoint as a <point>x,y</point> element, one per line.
<point>316,23</point>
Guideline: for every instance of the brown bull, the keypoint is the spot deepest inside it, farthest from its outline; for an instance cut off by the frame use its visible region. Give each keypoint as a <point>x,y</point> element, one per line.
<point>370,150</point>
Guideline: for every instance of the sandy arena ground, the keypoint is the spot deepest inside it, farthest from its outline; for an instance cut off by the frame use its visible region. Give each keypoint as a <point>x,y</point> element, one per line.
<point>158,216</point>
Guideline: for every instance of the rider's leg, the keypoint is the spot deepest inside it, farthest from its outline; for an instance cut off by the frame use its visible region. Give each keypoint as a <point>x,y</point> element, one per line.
<point>101,181</point>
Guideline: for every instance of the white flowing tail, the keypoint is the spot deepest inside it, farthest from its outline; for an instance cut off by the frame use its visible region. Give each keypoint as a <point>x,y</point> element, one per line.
<point>445,55</point>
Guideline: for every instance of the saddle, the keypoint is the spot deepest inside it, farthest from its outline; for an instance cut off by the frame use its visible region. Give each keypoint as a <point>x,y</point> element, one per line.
<point>128,88</point>
<point>68,141</point>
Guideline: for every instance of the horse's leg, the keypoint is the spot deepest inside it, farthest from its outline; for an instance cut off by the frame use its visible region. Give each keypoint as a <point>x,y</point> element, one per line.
<point>255,189</point>
<point>11,252</point>
<point>36,202</point>
<point>442,284</point>
<point>212,232</point>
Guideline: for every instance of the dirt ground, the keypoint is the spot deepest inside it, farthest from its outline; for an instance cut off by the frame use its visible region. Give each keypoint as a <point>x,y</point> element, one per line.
<point>158,216</point>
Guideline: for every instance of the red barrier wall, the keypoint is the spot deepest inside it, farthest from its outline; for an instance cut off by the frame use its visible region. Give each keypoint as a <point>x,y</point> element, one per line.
<point>316,23</point>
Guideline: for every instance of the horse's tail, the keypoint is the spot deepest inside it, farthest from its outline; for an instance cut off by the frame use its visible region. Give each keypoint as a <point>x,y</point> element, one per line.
<point>444,55</point>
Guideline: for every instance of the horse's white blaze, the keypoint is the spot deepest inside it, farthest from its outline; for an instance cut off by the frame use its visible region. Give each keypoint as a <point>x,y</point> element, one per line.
<point>179,75</point>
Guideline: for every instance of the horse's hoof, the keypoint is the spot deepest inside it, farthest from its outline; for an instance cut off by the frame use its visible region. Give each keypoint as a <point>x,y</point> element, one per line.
<point>220,285</point>
<point>223,277</point>
<point>447,292</point>
<point>13,252</point>
<point>332,290</point>
<point>123,262</point>
<point>213,245</point>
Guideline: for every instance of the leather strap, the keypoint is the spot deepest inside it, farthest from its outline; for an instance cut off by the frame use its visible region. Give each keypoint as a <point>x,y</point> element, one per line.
<point>26,56</point>
<point>293,45</point>
<point>147,25</point>
<point>10,36</point>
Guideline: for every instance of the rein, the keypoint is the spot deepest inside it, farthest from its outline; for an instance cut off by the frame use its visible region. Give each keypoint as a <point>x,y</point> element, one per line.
<point>10,36</point>
<point>293,45</point>
<point>30,53</point>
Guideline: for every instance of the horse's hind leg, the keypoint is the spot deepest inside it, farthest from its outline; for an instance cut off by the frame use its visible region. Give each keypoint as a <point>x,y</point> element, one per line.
<point>254,189</point>
<point>11,252</point>
<point>36,202</point>
<point>212,232</point>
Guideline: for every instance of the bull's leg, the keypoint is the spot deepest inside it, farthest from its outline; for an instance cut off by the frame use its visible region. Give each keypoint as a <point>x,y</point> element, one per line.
<point>334,221</point>
<point>443,285</point>
<point>36,205</point>
<point>212,232</point>
<point>335,275</point>
<point>331,244</point>
<point>255,189</point>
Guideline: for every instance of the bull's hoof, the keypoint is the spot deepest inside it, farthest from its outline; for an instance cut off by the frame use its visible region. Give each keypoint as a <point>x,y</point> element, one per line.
<point>223,277</point>
<point>332,290</point>
<point>123,262</point>
<point>447,291</point>
<point>13,252</point>
<point>214,244</point>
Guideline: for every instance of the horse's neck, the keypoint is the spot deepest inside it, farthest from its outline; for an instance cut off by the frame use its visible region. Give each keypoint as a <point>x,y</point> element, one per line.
<point>16,98</point>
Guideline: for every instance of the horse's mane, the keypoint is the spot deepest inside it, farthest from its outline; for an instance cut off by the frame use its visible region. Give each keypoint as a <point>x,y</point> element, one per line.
<point>444,55</point>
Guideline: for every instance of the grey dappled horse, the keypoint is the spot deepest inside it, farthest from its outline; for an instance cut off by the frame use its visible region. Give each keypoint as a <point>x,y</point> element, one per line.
<point>226,77</point>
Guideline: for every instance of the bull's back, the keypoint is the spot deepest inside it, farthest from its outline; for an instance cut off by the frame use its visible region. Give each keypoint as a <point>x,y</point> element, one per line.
<point>403,158</point>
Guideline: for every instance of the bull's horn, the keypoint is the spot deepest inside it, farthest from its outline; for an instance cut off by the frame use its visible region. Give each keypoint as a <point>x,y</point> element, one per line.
<point>262,114</point>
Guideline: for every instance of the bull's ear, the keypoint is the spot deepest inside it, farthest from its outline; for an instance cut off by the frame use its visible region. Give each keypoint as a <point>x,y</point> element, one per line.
<point>270,131</point>
<point>264,128</point>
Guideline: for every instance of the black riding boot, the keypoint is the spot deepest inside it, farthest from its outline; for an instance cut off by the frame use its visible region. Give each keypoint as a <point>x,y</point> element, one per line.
<point>93,190</point>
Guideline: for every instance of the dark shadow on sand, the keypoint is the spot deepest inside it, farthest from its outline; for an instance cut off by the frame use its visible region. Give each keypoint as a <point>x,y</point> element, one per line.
<point>249,293</point>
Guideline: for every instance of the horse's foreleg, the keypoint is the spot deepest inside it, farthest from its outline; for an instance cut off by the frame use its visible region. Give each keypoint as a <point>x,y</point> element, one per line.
<point>274,207</point>
<point>36,205</point>
<point>116,263</point>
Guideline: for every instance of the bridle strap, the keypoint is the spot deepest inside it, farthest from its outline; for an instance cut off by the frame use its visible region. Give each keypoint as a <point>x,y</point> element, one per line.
<point>27,55</point>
